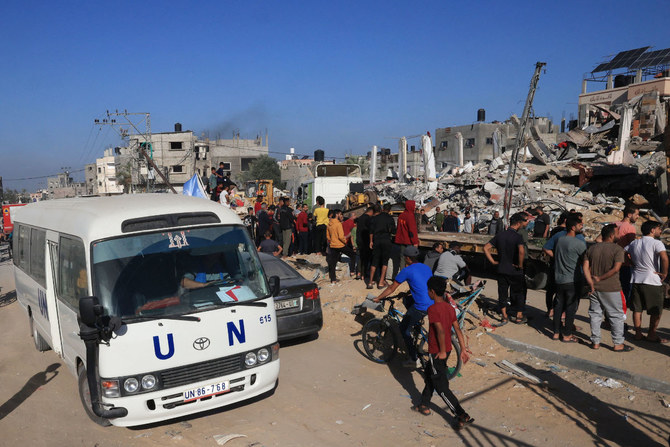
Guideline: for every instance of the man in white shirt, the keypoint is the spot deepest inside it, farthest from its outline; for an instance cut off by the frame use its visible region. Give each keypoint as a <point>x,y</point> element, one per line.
<point>224,197</point>
<point>468,223</point>
<point>650,267</point>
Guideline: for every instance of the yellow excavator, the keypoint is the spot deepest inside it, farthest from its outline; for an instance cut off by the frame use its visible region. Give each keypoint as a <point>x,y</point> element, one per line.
<point>262,188</point>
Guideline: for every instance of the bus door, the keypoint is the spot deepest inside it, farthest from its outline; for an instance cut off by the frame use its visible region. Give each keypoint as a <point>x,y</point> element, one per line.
<point>68,259</point>
<point>51,269</point>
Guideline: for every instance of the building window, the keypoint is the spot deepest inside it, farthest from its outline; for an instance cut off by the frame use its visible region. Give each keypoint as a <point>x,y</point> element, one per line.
<point>176,145</point>
<point>177,168</point>
<point>469,143</point>
<point>99,170</point>
<point>246,163</point>
<point>444,144</point>
<point>489,141</point>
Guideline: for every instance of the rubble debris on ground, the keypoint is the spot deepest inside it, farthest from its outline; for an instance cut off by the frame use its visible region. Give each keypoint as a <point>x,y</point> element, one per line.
<point>595,171</point>
<point>609,383</point>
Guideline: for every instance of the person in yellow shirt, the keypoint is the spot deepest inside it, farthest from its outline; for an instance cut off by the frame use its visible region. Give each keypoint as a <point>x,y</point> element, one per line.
<point>337,243</point>
<point>321,217</point>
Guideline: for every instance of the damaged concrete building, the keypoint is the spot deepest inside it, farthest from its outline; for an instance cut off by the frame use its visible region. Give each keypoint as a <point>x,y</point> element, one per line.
<point>180,154</point>
<point>616,154</point>
<point>481,141</point>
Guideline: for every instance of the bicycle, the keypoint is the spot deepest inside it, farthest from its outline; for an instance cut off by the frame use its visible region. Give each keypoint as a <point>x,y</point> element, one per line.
<point>381,339</point>
<point>380,335</point>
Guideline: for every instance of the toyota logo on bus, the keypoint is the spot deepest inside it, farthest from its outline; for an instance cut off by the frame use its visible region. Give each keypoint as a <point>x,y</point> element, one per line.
<point>201,343</point>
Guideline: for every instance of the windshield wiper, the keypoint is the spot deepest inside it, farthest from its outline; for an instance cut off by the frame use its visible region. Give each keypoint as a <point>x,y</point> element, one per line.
<point>245,303</point>
<point>169,317</point>
<point>219,282</point>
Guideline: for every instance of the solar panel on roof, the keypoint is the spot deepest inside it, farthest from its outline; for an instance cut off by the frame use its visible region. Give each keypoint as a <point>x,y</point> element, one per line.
<point>652,59</point>
<point>622,59</point>
<point>626,58</point>
<point>600,67</point>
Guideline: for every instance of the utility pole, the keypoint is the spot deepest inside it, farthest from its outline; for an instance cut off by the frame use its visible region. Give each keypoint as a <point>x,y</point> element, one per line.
<point>520,142</point>
<point>146,135</point>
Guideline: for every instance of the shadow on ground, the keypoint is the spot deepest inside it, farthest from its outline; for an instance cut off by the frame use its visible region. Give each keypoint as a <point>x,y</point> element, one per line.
<point>33,384</point>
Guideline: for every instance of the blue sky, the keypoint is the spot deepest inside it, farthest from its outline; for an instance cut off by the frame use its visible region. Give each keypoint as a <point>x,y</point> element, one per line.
<point>341,76</point>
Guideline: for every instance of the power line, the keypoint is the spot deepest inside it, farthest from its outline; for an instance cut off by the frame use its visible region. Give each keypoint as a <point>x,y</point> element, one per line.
<point>83,152</point>
<point>36,178</point>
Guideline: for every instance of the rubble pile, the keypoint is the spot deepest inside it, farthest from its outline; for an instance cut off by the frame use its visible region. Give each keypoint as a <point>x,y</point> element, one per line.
<point>563,181</point>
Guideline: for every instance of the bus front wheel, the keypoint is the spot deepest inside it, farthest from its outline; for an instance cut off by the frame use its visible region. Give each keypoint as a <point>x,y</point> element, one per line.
<point>85,396</point>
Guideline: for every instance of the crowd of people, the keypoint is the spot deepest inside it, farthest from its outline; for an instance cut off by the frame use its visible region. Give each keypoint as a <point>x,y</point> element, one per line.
<point>616,273</point>
<point>220,187</point>
<point>450,221</point>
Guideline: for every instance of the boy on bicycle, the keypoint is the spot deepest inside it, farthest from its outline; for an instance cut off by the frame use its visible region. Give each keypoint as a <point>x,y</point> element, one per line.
<point>441,318</point>
<point>416,274</point>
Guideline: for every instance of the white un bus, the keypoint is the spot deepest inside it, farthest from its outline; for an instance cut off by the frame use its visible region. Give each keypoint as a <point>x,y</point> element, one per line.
<point>157,303</point>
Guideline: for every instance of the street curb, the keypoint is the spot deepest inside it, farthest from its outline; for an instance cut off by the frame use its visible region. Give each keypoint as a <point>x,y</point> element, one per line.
<point>638,380</point>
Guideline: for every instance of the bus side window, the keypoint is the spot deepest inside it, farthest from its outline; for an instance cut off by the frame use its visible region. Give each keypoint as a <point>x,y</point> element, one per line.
<point>73,282</point>
<point>37,250</point>
<point>24,247</point>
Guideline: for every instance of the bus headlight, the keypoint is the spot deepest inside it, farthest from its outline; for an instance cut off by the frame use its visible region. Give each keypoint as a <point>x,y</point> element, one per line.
<point>250,359</point>
<point>263,355</point>
<point>148,382</point>
<point>131,385</point>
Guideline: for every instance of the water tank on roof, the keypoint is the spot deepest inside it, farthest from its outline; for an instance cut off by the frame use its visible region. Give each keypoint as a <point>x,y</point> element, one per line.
<point>481,115</point>
<point>623,80</point>
<point>177,127</point>
<point>318,155</point>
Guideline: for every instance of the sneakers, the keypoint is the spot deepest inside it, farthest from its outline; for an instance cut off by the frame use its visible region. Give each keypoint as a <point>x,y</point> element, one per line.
<point>409,363</point>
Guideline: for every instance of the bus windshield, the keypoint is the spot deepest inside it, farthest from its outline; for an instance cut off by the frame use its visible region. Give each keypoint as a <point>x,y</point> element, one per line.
<point>175,272</point>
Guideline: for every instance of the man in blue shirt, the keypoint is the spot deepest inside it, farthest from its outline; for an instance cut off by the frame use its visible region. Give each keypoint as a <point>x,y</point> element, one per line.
<point>417,275</point>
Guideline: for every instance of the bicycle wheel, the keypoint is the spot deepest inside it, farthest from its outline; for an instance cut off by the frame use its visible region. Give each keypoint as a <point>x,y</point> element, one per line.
<point>454,361</point>
<point>379,341</point>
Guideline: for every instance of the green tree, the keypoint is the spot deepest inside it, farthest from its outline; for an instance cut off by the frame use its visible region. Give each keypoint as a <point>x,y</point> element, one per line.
<point>360,160</point>
<point>11,196</point>
<point>124,176</point>
<point>263,168</point>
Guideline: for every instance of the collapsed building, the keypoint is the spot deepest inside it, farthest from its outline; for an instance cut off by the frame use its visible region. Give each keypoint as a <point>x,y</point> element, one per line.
<point>615,154</point>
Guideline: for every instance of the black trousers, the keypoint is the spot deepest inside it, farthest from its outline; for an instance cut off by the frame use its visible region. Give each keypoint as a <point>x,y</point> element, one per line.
<point>511,292</point>
<point>566,301</point>
<point>303,239</point>
<point>550,289</point>
<point>435,377</point>
<point>334,258</point>
<point>320,239</point>
<point>366,259</point>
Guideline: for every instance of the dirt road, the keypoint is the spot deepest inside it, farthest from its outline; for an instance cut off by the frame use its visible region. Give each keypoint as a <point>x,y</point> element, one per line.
<point>329,394</point>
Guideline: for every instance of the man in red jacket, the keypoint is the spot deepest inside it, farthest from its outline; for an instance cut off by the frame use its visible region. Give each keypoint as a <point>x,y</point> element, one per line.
<point>406,235</point>
<point>303,228</point>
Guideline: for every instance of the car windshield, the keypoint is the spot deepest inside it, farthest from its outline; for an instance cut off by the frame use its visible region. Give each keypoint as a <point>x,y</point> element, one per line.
<point>175,272</point>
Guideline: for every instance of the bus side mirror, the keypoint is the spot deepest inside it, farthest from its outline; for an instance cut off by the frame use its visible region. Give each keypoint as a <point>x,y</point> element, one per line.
<point>274,285</point>
<point>89,310</point>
